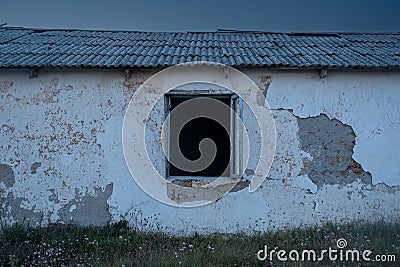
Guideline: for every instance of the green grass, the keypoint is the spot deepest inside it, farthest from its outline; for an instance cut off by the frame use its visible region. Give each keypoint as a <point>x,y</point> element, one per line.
<point>119,245</point>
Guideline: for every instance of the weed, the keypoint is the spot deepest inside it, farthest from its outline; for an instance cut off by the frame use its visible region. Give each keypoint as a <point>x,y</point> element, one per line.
<point>119,245</point>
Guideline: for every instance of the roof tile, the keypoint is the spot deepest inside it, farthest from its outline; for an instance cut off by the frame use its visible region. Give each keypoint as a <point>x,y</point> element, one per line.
<point>21,47</point>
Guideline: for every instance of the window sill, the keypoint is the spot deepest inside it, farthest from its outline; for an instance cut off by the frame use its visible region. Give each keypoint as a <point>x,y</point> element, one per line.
<point>201,181</point>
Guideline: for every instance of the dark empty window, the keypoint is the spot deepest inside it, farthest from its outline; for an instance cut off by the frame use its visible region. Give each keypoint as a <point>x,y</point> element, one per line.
<point>194,131</point>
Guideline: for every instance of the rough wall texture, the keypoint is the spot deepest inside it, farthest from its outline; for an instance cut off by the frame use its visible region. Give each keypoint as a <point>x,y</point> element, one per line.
<point>330,143</point>
<point>61,157</point>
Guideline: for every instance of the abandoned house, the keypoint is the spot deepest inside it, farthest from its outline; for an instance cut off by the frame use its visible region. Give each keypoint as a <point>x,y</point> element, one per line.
<point>334,100</point>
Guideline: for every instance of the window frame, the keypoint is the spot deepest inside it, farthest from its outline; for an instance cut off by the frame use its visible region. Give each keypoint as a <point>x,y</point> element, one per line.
<point>236,135</point>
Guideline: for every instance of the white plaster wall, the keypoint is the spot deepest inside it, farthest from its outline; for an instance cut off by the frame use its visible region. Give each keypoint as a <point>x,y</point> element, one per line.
<point>367,101</point>
<point>71,122</point>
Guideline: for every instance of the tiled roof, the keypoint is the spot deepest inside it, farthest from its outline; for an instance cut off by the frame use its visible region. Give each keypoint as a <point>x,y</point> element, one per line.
<point>20,47</point>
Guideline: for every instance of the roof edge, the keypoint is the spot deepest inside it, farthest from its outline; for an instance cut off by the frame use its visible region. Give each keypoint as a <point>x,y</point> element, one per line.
<point>221,31</point>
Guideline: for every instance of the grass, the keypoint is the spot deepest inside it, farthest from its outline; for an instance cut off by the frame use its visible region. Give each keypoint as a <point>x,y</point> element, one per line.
<point>118,245</point>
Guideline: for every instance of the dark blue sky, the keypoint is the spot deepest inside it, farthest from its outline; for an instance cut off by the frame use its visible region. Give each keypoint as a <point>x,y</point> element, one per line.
<point>206,15</point>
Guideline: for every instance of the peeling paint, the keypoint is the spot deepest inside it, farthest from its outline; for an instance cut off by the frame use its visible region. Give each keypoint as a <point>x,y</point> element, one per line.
<point>5,85</point>
<point>264,83</point>
<point>330,143</point>
<point>336,158</point>
<point>7,175</point>
<point>365,100</point>
<point>242,184</point>
<point>88,209</point>
<point>35,166</point>
<point>10,206</point>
